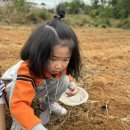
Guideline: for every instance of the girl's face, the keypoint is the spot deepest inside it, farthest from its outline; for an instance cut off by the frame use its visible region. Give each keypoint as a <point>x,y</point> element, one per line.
<point>60,59</point>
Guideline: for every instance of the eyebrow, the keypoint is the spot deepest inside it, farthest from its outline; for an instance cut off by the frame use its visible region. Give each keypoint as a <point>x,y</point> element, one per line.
<point>61,57</point>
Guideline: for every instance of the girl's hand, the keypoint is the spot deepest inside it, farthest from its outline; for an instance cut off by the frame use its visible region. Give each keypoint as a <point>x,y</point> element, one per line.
<point>72,91</point>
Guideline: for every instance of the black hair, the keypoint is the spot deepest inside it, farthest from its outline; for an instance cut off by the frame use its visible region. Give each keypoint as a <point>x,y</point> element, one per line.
<point>39,46</point>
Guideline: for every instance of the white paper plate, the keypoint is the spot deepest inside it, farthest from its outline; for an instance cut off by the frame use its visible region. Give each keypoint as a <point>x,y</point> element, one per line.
<point>80,97</point>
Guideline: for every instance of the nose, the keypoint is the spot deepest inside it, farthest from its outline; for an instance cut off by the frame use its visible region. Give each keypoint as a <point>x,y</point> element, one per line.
<point>58,66</point>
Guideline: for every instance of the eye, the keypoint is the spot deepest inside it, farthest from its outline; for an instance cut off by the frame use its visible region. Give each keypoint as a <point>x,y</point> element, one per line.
<point>53,59</point>
<point>66,60</point>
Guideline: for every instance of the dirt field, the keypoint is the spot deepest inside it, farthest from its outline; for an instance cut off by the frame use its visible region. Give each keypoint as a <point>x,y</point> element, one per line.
<point>105,75</point>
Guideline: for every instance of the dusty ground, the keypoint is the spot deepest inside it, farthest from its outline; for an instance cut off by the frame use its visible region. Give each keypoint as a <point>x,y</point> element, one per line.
<point>105,75</point>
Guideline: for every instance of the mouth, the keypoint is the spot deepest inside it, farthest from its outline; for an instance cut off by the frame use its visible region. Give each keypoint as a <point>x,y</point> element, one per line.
<point>56,72</point>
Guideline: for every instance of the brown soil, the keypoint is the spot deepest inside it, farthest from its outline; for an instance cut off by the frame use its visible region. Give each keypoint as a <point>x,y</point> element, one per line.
<point>105,76</point>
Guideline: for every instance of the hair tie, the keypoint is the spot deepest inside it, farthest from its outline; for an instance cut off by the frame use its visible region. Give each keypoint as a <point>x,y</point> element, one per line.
<point>60,14</point>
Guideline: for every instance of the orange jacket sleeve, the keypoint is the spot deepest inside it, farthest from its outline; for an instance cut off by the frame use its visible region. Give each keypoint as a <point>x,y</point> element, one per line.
<point>20,105</point>
<point>70,78</point>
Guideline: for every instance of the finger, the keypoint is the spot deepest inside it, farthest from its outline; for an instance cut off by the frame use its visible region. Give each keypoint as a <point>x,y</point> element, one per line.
<point>71,93</point>
<point>72,88</point>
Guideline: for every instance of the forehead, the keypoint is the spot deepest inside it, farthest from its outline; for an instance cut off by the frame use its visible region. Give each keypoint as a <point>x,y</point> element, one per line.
<point>61,51</point>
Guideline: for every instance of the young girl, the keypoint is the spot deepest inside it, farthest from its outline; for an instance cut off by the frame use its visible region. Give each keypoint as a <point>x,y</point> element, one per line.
<point>49,57</point>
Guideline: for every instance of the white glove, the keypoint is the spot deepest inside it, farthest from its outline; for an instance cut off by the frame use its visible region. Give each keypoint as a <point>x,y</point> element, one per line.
<point>39,127</point>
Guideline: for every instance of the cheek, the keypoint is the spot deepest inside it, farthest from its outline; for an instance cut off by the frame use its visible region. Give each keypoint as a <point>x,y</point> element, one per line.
<point>66,64</point>
<point>50,66</point>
